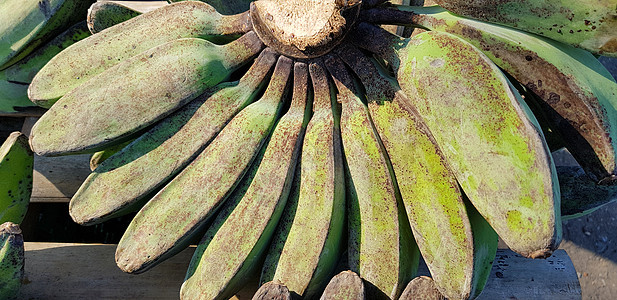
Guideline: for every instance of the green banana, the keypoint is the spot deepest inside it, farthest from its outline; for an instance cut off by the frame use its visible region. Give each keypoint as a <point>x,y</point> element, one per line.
<point>28,24</point>
<point>580,195</point>
<point>227,256</point>
<point>430,192</point>
<point>586,24</point>
<point>104,14</point>
<point>178,212</point>
<point>100,52</point>
<point>11,260</point>
<point>150,161</point>
<point>12,95</point>
<point>578,95</point>
<point>226,7</point>
<point>99,157</point>
<point>197,63</point>
<point>16,163</point>
<point>381,247</point>
<point>312,241</point>
<point>15,79</point>
<point>515,186</point>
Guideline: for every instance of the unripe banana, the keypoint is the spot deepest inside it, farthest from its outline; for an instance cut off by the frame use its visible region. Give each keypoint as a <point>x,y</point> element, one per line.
<point>181,209</point>
<point>28,24</point>
<point>586,24</point>
<point>431,195</point>
<point>226,7</point>
<point>11,260</point>
<point>100,52</point>
<point>104,14</point>
<point>227,257</point>
<point>16,164</point>
<point>146,164</point>
<point>306,248</point>
<point>497,151</point>
<point>15,79</point>
<point>577,94</point>
<point>381,247</point>
<point>69,127</point>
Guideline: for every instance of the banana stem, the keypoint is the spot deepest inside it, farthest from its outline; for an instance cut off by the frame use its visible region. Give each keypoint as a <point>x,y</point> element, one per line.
<point>379,41</point>
<point>241,50</point>
<point>235,24</point>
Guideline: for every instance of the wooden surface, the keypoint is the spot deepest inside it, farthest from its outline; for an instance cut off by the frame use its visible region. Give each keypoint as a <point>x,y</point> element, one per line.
<point>83,271</point>
<point>56,179</point>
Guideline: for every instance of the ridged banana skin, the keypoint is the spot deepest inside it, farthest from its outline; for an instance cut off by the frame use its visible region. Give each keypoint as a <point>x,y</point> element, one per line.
<point>586,24</point>
<point>11,260</point>
<point>226,257</point>
<point>178,212</point>
<point>151,160</point>
<point>492,142</point>
<point>381,247</point>
<point>16,163</point>
<point>580,195</point>
<point>104,14</point>
<point>227,7</point>
<point>100,52</point>
<point>28,24</point>
<point>70,127</point>
<point>431,195</point>
<point>579,95</point>
<point>312,244</point>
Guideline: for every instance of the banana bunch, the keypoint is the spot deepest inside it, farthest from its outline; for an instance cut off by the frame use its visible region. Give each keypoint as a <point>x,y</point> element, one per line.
<point>299,138</point>
<point>31,33</point>
<point>11,260</point>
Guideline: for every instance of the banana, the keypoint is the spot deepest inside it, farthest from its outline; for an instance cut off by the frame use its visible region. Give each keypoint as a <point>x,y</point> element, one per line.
<point>580,195</point>
<point>11,260</point>
<point>179,211</point>
<point>586,24</point>
<point>28,24</point>
<point>226,257</point>
<point>104,14</point>
<point>100,52</point>
<point>305,250</point>
<point>381,247</point>
<point>346,285</point>
<point>99,157</point>
<point>577,94</point>
<point>15,79</point>
<point>492,143</point>
<point>227,7</point>
<point>151,160</point>
<point>198,64</point>
<point>16,163</point>
<point>12,95</point>
<point>431,195</point>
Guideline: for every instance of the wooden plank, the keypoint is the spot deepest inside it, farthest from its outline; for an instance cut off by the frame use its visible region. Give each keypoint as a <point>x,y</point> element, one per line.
<point>56,179</point>
<point>86,271</point>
